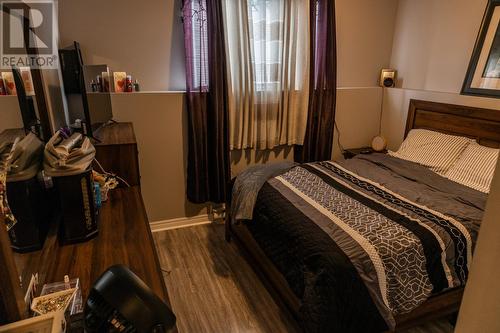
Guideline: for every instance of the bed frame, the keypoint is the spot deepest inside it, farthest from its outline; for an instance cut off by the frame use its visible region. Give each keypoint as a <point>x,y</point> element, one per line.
<point>480,124</point>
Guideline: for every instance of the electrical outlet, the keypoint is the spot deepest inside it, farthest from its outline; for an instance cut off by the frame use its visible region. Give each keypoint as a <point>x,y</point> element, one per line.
<point>217,213</point>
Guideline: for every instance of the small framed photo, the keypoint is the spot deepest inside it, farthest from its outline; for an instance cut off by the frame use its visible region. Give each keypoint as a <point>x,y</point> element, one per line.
<point>483,75</point>
<point>10,84</point>
<point>105,81</point>
<point>119,81</point>
<point>27,80</point>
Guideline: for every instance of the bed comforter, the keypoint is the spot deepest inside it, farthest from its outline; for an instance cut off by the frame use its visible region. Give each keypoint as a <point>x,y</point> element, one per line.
<point>362,241</point>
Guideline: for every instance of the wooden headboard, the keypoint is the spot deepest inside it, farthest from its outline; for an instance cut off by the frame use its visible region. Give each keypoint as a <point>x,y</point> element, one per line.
<point>480,124</point>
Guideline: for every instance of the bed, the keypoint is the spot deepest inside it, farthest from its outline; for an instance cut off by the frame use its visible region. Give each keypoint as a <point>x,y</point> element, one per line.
<point>330,278</point>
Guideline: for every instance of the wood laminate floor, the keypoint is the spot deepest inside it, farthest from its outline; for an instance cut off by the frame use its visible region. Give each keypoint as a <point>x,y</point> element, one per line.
<point>213,289</point>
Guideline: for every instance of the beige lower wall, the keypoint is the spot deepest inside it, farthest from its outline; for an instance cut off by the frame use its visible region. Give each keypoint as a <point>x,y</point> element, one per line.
<point>10,115</point>
<point>357,117</point>
<point>160,126</point>
<point>396,103</point>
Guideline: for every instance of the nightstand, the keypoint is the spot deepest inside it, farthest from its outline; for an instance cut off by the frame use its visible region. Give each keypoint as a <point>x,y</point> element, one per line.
<point>350,153</point>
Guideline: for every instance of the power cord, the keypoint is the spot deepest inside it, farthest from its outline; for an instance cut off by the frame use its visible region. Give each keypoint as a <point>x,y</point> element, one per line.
<point>110,174</point>
<point>381,113</point>
<point>338,137</point>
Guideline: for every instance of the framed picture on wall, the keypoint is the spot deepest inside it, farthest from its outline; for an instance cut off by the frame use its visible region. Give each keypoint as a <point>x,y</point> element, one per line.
<point>483,75</point>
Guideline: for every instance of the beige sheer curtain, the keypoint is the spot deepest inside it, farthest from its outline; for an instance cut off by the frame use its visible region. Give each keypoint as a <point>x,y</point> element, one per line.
<point>267,45</point>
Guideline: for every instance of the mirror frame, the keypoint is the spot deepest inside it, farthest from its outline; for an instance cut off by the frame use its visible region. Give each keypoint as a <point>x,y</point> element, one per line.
<point>36,74</point>
<point>12,305</point>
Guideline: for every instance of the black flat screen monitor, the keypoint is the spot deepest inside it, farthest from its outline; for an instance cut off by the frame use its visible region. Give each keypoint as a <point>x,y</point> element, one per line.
<point>96,113</point>
<point>26,104</point>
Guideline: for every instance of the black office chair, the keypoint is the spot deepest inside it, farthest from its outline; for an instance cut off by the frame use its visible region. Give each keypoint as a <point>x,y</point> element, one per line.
<point>121,302</point>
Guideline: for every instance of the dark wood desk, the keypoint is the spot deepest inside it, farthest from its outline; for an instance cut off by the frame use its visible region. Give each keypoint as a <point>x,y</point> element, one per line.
<point>124,234</point>
<point>117,141</point>
<point>124,238</point>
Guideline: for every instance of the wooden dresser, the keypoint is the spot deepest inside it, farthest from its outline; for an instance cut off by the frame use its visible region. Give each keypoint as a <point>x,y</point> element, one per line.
<point>124,234</point>
<point>116,150</point>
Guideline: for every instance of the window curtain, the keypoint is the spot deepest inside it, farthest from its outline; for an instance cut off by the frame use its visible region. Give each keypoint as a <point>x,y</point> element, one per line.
<point>267,45</point>
<point>318,139</point>
<point>206,91</point>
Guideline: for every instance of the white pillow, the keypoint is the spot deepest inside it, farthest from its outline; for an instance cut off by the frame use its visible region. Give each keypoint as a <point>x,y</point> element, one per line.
<point>475,167</point>
<point>435,150</point>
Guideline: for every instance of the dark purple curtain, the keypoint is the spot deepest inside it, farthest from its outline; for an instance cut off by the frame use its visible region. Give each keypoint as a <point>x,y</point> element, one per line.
<point>318,139</point>
<point>206,86</point>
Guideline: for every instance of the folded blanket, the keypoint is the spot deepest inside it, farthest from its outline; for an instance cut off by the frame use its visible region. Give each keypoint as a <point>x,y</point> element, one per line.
<point>248,184</point>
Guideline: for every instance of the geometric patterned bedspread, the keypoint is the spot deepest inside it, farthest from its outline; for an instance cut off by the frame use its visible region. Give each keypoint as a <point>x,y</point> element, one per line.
<point>402,250</point>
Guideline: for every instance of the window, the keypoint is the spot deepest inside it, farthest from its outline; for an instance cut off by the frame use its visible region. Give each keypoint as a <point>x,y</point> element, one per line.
<point>266,42</point>
<point>195,23</point>
<point>267,58</point>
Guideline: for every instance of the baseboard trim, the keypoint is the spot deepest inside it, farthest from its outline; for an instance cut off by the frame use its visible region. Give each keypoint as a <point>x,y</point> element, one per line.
<point>181,222</point>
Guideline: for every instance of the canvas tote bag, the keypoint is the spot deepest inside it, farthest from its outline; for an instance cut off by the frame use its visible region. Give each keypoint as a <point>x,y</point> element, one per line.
<point>25,158</point>
<point>68,156</point>
<point>19,160</point>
